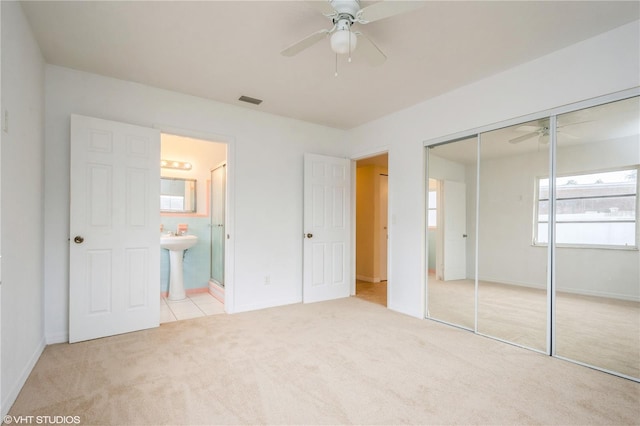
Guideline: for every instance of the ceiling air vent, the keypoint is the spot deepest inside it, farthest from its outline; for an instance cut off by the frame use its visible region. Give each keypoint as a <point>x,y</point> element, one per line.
<point>250,100</point>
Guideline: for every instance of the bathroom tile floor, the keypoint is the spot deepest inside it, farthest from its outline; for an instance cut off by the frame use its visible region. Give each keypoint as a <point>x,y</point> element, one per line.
<point>193,306</point>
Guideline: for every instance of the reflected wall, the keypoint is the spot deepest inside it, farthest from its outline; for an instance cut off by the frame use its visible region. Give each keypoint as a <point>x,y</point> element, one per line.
<point>512,272</point>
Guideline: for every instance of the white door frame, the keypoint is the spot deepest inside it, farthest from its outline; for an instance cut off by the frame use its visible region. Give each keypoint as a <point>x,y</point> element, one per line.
<point>384,232</point>
<point>229,251</point>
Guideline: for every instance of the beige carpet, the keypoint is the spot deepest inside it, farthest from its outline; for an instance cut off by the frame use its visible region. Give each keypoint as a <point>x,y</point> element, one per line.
<point>346,361</point>
<point>372,292</point>
<point>597,331</point>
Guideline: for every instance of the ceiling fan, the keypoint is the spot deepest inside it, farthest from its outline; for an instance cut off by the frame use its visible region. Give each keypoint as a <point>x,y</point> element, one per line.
<point>541,131</point>
<point>344,14</point>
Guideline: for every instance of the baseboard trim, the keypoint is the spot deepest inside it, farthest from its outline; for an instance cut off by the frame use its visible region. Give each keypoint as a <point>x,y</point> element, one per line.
<point>188,291</point>
<point>12,394</point>
<point>265,305</point>
<point>217,291</point>
<point>515,283</point>
<point>604,294</point>
<point>368,279</point>
<point>580,292</point>
<point>52,339</point>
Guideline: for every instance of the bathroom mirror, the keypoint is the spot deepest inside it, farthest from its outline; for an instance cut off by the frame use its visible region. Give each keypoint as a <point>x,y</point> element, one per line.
<point>177,195</point>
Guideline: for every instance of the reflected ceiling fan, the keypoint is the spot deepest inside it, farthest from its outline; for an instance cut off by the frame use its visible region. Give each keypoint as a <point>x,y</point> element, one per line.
<point>344,14</point>
<point>541,131</point>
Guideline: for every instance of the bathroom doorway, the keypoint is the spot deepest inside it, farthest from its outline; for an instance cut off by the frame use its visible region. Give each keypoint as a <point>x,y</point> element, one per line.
<point>372,228</point>
<point>198,167</point>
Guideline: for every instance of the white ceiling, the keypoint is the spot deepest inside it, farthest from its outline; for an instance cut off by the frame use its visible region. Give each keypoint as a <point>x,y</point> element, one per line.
<point>223,49</point>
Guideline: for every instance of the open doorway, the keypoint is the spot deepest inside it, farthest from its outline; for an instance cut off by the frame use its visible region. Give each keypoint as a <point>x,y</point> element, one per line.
<point>372,228</point>
<point>193,203</point>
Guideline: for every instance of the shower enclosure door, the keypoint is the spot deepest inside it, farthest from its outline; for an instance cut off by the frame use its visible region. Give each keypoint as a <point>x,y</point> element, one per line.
<point>218,198</point>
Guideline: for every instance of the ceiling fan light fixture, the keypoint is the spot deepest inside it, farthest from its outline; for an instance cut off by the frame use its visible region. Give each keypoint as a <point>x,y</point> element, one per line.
<point>343,41</point>
<point>544,138</point>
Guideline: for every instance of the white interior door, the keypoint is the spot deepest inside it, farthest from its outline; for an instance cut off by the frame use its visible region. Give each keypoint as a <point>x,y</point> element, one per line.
<point>384,233</point>
<point>326,228</point>
<point>114,250</point>
<point>455,234</point>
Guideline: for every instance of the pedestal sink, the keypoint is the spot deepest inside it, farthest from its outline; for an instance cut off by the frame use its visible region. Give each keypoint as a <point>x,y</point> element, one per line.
<point>176,244</point>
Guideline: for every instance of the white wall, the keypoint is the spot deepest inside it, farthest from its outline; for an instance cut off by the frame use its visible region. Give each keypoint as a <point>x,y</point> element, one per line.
<point>266,162</point>
<point>602,65</point>
<point>505,253</point>
<point>506,223</point>
<point>22,202</point>
<point>600,272</point>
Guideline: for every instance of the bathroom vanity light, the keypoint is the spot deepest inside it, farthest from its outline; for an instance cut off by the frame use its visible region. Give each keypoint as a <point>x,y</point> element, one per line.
<point>173,164</point>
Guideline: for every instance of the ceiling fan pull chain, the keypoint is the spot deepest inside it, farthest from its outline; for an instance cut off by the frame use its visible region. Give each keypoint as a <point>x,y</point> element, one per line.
<point>336,74</point>
<point>349,44</point>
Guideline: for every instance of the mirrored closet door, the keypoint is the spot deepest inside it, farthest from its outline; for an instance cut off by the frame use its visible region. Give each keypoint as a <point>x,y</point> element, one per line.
<point>512,270</point>
<point>597,263</point>
<point>548,209</point>
<point>450,235</point>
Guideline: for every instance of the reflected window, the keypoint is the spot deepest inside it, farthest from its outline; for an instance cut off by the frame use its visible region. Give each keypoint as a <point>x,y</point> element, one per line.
<point>171,203</point>
<point>433,209</point>
<point>177,195</point>
<point>592,209</point>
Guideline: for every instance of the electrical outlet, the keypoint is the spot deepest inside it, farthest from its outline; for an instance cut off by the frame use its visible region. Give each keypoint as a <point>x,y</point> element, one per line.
<point>267,279</point>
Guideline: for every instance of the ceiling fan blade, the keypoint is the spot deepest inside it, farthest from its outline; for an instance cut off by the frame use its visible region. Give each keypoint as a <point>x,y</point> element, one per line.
<point>386,9</point>
<point>568,135</point>
<point>322,6</point>
<point>371,53</point>
<point>523,137</point>
<point>561,125</point>
<point>306,42</point>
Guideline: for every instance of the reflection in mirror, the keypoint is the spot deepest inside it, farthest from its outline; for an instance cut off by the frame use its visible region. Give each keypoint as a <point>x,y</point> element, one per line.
<point>451,224</point>
<point>218,203</point>
<point>512,272</point>
<point>177,195</point>
<point>597,313</point>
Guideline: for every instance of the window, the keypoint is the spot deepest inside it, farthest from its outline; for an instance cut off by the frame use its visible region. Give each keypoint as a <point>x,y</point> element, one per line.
<point>592,209</point>
<point>169,203</point>
<point>432,212</point>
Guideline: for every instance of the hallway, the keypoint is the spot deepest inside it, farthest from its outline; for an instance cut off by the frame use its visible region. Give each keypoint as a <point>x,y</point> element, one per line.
<point>372,292</point>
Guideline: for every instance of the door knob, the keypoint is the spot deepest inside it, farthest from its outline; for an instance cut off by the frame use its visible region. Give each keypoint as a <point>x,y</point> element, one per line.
<point>78,239</point>
<point>309,235</point>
